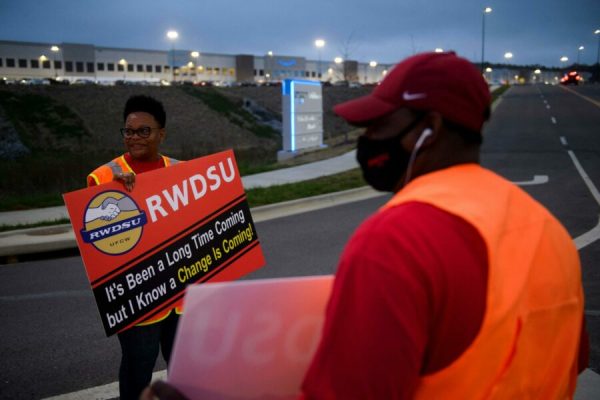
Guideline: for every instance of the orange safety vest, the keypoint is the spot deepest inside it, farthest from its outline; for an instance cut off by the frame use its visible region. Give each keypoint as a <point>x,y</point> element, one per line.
<point>105,174</point>
<point>529,339</point>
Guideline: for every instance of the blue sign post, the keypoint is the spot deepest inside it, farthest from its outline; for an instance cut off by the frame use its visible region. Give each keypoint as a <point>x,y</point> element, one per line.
<point>302,116</point>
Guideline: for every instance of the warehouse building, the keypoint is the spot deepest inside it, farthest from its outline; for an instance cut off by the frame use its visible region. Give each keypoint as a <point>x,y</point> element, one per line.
<point>108,65</point>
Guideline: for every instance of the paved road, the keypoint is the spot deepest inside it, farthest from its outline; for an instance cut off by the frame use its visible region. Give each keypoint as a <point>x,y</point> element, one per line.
<point>53,341</point>
<point>547,130</point>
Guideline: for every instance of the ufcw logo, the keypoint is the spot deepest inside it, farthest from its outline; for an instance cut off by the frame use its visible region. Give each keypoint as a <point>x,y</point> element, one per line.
<point>113,223</point>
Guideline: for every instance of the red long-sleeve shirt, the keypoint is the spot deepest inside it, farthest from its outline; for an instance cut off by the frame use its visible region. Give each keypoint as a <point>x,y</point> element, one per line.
<point>408,299</point>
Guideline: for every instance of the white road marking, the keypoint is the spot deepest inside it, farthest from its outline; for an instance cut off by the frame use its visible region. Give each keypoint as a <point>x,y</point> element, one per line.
<point>48,295</point>
<point>104,392</point>
<point>594,102</point>
<point>588,238</point>
<point>586,179</point>
<point>563,140</point>
<point>537,180</point>
<point>594,234</point>
<point>553,120</point>
<point>548,106</point>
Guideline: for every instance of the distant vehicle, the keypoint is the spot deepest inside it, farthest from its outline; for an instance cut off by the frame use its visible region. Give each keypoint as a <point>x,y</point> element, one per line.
<point>84,82</point>
<point>59,81</point>
<point>572,78</point>
<point>39,82</point>
<point>202,83</point>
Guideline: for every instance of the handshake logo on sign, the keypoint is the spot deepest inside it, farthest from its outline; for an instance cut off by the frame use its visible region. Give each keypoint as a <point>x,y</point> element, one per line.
<point>113,223</point>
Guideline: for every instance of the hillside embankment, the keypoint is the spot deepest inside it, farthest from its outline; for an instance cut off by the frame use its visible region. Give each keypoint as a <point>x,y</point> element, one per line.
<point>51,137</point>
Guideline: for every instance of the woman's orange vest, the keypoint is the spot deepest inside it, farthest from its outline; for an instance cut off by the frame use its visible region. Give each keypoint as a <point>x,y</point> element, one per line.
<point>529,339</point>
<point>105,174</point>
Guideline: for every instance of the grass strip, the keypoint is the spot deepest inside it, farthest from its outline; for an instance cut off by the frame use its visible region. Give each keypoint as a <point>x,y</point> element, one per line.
<point>268,195</point>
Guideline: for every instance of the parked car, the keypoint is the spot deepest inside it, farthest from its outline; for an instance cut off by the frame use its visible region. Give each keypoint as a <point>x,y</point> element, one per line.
<point>43,81</point>
<point>83,82</point>
<point>571,78</point>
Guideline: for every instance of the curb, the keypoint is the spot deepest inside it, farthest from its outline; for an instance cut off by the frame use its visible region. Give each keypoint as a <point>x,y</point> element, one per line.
<point>61,237</point>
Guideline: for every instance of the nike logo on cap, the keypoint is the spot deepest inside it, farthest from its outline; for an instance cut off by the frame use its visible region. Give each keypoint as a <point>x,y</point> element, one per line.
<point>413,96</point>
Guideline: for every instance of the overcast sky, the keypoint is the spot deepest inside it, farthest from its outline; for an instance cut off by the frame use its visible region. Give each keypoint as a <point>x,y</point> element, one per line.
<point>535,31</point>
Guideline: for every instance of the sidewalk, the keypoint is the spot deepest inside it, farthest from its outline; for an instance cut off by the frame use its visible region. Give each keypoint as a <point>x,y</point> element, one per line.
<point>304,172</point>
<point>60,237</point>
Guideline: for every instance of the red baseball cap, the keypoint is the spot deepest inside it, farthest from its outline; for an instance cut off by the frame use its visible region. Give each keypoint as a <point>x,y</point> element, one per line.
<point>441,82</point>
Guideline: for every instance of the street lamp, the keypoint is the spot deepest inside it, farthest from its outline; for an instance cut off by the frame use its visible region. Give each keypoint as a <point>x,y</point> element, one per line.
<point>269,65</point>
<point>579,50</point>
<point>195,55</point>
<point>597,32</point>
<point>486,10</point>
<point>172,35</point>
<point>507,56</point>
<point>563,61</point>
<point>488,71</point>
<point>123,63</point>
<point>338,61</point>
<point>372,64</point>
<point>319,43</point>
<point>54,50</point>
<point>43,59</point>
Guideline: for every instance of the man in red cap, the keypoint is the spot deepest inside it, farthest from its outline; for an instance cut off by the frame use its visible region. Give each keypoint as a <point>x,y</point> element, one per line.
<point>461,286</point>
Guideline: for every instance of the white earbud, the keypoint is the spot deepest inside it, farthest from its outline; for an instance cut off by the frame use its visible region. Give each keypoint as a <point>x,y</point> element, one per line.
<point>424,135</point>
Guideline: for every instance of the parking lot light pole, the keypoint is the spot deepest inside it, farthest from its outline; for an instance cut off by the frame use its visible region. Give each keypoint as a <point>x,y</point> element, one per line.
<point>507,56</point>
<point>54,50</point>
<point>579,50</point>
<point>123,63</point>
<point>43,59</point>
<point>486,10</point>
<point>597,32</point>
<point>195,55</point>
<point>172,36</point>
<point>373,65</point>
<point>319,43</point>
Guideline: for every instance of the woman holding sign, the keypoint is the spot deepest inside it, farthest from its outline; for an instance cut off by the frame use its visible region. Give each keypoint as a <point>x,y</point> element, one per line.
<point>143,134</point>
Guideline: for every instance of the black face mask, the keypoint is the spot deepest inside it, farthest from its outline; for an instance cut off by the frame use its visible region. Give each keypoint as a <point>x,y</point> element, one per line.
<point>384,162</point>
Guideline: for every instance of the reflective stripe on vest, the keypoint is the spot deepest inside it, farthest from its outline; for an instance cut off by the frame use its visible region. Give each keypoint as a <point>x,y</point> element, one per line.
<point>528,343</point>
<point>105,174</point>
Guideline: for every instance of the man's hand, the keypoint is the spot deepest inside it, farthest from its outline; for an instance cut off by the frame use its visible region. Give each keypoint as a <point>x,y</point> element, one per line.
<point>161,391</point>
<point>127,178</point>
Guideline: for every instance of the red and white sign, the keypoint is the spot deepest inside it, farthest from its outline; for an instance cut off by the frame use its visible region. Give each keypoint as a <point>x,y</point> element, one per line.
<point>189,223</point>
<point>248,339</point>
